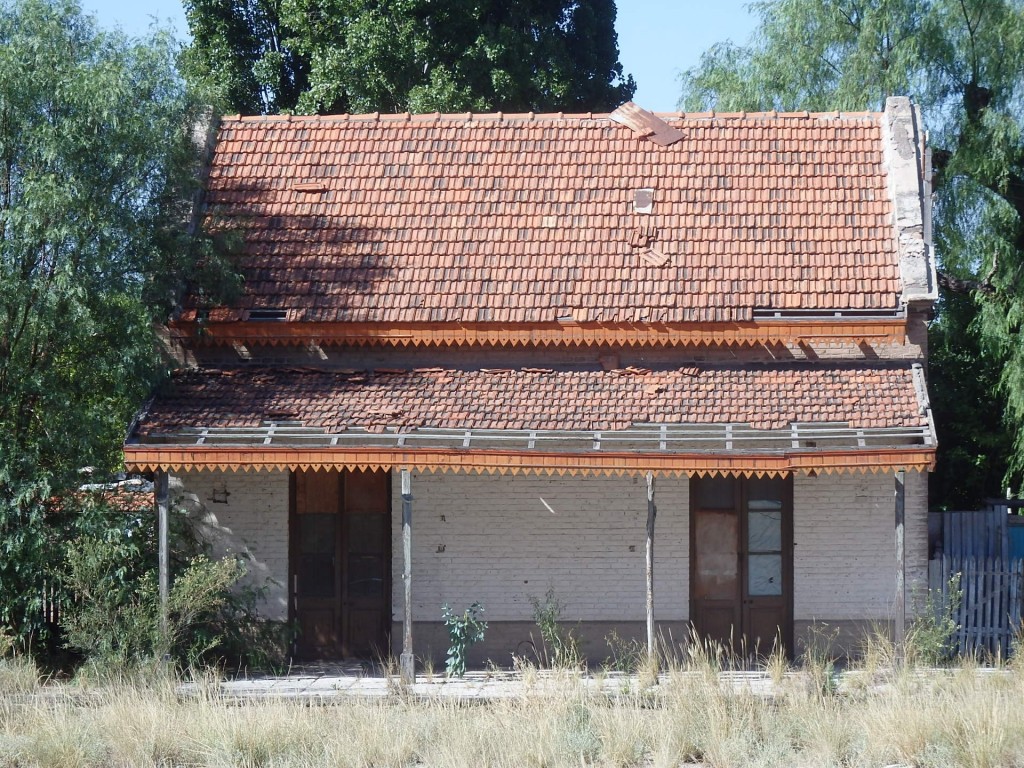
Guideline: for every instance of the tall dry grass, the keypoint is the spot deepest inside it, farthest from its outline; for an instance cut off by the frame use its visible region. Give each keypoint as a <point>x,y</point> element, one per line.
<point>876,716</point>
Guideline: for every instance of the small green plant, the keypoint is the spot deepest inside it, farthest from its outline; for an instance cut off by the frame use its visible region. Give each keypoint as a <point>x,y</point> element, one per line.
<point>464,630</point>
<point>580,734</point>
<point>561,646</point>
<point>626,655</point>
<point>929,639</point>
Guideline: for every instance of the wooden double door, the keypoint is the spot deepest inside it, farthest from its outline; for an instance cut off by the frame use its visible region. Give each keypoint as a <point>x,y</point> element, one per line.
<point>741,561</point>
<point>340,563</point>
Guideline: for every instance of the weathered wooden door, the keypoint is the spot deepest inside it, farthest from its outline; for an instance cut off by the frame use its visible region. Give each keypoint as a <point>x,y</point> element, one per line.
<point>741,560</point>
<point>341,563</point>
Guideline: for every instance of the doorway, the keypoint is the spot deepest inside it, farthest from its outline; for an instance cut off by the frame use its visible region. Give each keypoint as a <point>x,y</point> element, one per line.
<point>741,561</point>
<point>340,563</point>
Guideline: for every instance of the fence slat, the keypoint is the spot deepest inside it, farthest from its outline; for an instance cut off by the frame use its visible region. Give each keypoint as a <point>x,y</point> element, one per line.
<point>991,601</point>
<point>1002,518</point>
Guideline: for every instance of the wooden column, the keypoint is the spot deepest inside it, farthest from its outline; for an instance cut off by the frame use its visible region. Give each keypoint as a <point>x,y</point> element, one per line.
<point>408,660</point>
<point>652,512</point>
<point>901,573</point>
<point>160,485</point>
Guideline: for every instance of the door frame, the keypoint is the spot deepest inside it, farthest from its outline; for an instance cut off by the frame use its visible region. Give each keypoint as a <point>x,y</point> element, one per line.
<point>788,554</point>
<point>341,570</point>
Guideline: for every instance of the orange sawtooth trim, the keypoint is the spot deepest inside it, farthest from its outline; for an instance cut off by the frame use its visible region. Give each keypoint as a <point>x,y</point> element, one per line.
<point>144,458</point>
<point>455,334</point>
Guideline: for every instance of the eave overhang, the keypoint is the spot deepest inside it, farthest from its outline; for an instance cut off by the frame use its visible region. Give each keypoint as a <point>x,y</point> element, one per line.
<point>144,458</point>
<point>885,327</point>
<point>661,448</point>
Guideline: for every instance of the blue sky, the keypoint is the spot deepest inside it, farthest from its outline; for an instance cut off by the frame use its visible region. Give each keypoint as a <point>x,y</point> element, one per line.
<point>658,39</point>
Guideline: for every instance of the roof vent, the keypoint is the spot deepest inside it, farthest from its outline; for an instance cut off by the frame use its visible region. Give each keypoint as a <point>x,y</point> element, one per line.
<point>643,201</point>
<point>313,187</point>
<point>265,315</point>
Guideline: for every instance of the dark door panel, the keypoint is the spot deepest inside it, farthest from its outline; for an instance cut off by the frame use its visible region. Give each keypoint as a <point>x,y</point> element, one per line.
<point>341,563</point>
<point>741,556</point>
<point>316,582</point>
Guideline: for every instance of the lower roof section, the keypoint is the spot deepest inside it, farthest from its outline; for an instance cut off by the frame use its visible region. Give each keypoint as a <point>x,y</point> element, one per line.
<point>693,420</point>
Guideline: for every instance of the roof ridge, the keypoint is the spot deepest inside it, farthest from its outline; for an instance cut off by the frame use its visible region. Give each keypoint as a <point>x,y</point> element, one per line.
<point>499,117</point>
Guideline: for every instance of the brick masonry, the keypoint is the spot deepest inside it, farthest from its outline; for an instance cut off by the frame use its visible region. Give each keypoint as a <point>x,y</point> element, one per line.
<point>591,548</point>
<point>844,564</point>
<point>502,539</point>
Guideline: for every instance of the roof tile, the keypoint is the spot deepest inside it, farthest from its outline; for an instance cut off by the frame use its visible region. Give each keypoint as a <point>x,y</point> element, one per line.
<point>756,211</point>
<point>538,399</point>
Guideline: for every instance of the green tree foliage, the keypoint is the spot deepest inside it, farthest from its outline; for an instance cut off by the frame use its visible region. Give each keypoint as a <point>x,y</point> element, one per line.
<point>963,62</point>
<point>411,55</point>
<point>239,50</point>
<point>97,169</point>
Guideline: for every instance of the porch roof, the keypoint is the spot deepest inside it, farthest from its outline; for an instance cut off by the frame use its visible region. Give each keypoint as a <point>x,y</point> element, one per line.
<point>695,419</point>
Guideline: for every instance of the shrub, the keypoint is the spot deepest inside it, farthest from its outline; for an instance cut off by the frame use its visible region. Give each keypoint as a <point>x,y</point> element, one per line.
<point>117,621</point>
<point>627,655</point>
<point>929,639</point>
<point>110,609</point>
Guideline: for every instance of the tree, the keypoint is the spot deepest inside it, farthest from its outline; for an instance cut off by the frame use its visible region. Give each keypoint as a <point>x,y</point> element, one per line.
<point>239,50</point>
<point>97,169</point>
<point>412,55</point>
<point>963,62</point>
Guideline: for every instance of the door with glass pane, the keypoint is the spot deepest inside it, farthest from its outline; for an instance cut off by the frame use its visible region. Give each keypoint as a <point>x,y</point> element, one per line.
<point>741,560</point>
<point>340,563</point>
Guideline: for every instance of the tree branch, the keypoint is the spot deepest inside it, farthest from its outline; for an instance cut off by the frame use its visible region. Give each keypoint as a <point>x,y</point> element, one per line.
<point>962,285</point>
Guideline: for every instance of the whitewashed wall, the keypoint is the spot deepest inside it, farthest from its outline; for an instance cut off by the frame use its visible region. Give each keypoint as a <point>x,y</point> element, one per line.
<point>844,562</point>
<point>500,539</point>
<point>492,538</point>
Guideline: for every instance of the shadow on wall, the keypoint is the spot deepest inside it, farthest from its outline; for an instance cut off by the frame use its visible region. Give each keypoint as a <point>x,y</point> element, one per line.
<point>220,540</point>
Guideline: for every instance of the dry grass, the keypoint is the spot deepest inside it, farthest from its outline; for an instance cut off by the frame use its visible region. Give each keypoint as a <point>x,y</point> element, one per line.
<point>961,717</point>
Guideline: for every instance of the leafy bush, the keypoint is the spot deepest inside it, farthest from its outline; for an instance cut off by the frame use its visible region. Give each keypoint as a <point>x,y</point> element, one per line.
<point>464,630</point>
<point>118,622</point>
<point>111,612</point>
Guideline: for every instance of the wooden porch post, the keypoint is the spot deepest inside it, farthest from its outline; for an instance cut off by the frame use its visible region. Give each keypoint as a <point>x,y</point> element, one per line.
<point>160,485</point>
<point>901,575</point>
<point>652,512</point>
<point>408,660</point>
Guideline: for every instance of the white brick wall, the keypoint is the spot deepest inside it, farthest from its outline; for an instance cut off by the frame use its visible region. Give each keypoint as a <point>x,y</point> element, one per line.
<point>502,544</point>
<point>253,523</point>
<point>844,562</point>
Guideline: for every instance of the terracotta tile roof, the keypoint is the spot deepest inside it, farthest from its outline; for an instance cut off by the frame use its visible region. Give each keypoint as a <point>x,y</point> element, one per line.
<point>537,399</point>
<point>489,218</point>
